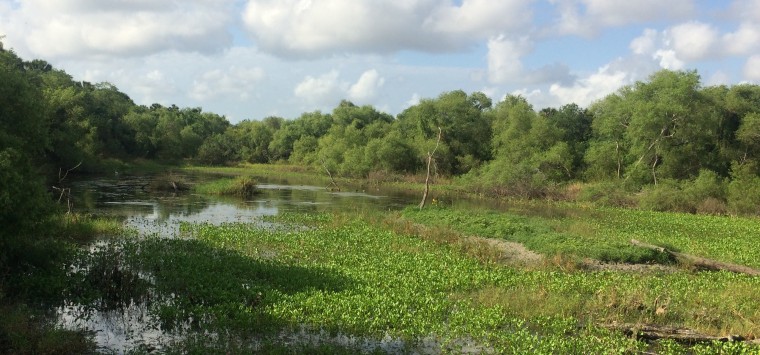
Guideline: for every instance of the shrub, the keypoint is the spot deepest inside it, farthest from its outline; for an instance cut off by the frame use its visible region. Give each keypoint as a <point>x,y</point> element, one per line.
<point>744,190</point>
<point>665,196</point>
<point>608,193</point>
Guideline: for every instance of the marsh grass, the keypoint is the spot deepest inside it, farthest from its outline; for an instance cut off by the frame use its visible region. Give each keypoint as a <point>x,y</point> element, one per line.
<point>168,182</point>
<point>84,227</point>
<point>242,186</point>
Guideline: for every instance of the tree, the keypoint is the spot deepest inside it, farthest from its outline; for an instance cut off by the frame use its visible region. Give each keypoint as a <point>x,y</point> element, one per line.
<point>528,151</point>
<point>465,128</point>
<point>24,203</point>
<point>664,128</point>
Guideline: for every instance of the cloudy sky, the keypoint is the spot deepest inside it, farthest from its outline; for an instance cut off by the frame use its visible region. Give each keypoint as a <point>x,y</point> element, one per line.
<point>248,59</point>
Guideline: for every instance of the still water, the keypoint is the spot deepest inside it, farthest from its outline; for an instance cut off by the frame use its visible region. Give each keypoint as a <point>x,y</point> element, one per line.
<point>127,197</point>
<point>150,213</point>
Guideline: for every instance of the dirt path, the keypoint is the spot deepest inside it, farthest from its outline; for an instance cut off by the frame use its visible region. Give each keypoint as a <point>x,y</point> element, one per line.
<point>512,251</point>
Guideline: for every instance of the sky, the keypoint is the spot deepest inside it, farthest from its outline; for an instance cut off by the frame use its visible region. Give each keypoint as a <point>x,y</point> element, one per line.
<point>250,59</point>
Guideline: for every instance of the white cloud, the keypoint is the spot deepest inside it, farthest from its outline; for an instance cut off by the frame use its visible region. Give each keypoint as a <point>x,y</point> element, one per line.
<point>588,17</point>
<point>77,28</point>
<point>718,78</point>
<point>303,28</point>
<point>693,40</point>
<point>504,59</point>
<point>748,10</point>
<point>415,99</point>
<point>146,86</point>
<point>752,68</point>
<point>319,90</point>
<point>623,12</point>
<point>505,64</point>
<point>592,88</point>
<point>366,87</point>
<point>746,39</point>
<point>481,18</point>
<point>668,59</point>
<point>646,43</point>
<point>234,82</point>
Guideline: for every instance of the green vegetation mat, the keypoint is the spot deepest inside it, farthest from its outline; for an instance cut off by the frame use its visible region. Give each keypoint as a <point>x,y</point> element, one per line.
<point>605,233</point>
<point>346,276</point>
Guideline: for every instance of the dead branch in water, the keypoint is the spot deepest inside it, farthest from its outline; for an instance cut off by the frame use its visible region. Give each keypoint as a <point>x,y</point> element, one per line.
<point>332,181</point>
<point>659,332</point>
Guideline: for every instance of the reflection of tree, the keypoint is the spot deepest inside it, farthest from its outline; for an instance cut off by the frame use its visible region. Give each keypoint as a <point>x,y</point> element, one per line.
<point>181,205</point>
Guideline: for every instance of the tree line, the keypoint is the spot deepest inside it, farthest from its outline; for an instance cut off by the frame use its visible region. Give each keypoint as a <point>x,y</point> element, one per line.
<point>667,143</point>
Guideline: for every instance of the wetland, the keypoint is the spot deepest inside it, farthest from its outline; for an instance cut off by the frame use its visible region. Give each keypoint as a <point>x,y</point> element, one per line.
<point>299,268</point>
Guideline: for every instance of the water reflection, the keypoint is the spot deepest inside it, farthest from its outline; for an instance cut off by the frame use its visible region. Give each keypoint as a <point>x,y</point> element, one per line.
<point>128,197</point>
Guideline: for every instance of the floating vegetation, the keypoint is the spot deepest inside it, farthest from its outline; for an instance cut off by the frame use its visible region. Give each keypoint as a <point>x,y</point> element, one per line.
<point>253,289</point>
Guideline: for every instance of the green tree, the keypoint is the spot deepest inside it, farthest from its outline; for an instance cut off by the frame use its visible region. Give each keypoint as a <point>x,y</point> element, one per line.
<point>529,151</point>
<point>466,130</point>
<point>24,203</point>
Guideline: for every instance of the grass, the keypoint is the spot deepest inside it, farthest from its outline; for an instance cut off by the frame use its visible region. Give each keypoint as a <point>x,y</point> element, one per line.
<point>605,233</point>
<point>536,233</point>
<point>345,275</point>
<point>241,186</point>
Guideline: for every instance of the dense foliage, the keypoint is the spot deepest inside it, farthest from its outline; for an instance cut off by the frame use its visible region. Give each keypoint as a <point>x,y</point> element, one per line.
<point>675,144</point>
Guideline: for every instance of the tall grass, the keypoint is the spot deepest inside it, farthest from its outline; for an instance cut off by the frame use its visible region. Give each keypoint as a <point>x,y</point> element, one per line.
<point>242,186</point>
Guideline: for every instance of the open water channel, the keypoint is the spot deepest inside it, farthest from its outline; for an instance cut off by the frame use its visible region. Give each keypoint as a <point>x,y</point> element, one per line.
<point>150,213</point>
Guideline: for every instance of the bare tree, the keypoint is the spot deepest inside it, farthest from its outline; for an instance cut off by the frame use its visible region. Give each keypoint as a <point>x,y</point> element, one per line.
<point>429,162</point>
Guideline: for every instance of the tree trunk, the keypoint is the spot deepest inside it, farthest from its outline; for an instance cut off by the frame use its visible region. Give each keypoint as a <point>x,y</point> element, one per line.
<point>427,176</point>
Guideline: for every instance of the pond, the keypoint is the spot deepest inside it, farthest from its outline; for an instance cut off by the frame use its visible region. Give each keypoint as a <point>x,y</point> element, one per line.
<point>127,198</point>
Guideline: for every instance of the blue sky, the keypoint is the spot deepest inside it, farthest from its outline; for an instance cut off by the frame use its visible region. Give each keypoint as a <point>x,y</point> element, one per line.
<point>249,59</point>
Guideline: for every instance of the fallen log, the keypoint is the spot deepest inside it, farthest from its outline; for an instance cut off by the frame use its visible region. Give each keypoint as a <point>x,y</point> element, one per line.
<point>682,335</point>
<point>701,262</point>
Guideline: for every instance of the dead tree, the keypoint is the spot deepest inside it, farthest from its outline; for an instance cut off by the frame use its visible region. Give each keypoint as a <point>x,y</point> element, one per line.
<point>64,191</point>
<point>332,181</point>
<point>429,162</point>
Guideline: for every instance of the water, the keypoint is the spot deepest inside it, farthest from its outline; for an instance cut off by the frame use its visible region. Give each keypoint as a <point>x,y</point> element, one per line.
<point>127,198</point>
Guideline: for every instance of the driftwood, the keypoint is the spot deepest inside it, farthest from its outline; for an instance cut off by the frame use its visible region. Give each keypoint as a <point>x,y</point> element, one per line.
<point>682,335</point>
<point>700,262</point>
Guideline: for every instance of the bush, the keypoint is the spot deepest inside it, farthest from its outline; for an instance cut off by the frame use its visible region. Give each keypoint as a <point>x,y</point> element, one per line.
<point>608,193</point>
<point>665,196</point>
<point>744,190</point>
